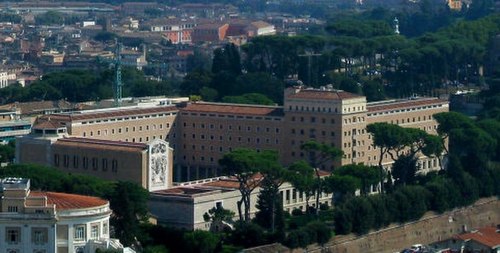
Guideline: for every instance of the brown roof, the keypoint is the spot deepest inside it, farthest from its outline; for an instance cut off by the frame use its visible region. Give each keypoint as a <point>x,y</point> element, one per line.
<point>52,121</point>
<point>40,106</point>
<point>404,104</point>
<point>487,236</point>
<point>209,26</point>
<point>323,94</point>
<point>106,144</point>
<point>260,24</point>
<point>233,109</point>
<point>65,201</point>
<point>122,112</point>
<point>232,183</point>
<point>47,125</point>
<point>183,191</point>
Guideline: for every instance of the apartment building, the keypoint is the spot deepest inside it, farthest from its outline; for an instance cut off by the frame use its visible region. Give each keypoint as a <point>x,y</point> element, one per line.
<point>111,144</point>
<point>201,133</point>
<point>46,222</point>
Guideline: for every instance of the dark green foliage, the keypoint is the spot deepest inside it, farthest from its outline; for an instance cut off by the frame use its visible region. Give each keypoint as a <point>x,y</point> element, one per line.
<point>367,175</point>
<point>301,176</point>
<point>249,98</point>
<point>404,169</point>
<point>373,90</point>
<point>320,231</point>
<point>298,239</point>
<point>362,214</point>
<point>244,163</point>
<point>50,18</point>
<point>297,212</point>
<point>342,220</point>
<point>200,241</point>
<point>129,210</point>
<point>194,81</point>
<point>264,217</point>
<point>227,59</point>
<point>85,85</point>
<point>105,36</point>
<point>342,186</point>
<point>313,232</point>
<point>248,235</point>
<point>382,217</point>
<point>8,152</point>
<point>10,17</point>
<point>156,249</point>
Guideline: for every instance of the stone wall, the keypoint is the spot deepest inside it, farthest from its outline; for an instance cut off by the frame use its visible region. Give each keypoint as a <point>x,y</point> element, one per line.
<point>430,228</point>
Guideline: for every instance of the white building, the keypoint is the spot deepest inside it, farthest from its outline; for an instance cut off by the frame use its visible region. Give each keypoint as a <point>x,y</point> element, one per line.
<point>185,205</point>
<point>51,222</point>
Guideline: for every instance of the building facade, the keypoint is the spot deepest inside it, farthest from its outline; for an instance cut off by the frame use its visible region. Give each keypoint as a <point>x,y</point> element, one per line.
<point>201,133</point>
<point>46,222</point>
<point>185,205</point>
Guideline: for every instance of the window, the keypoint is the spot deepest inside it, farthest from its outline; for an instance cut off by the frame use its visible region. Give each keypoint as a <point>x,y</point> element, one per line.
<point>94,231</point>
<point>39,235</point>
<point>75,161</point>
<point>85,162</point>
<point>94,163</point>
<point>56,160</point>
<point>104,164</point>
<point>114,165</point>
<point>13,235</point>
<point>105,228</point>
<point>12,209</point>
<point>79,233</point>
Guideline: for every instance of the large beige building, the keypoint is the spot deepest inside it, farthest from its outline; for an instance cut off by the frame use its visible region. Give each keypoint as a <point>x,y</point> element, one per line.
<point>201,133</point>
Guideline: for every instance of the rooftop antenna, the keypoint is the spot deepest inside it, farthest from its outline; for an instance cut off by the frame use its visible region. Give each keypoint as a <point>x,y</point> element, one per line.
<point>118,75</point>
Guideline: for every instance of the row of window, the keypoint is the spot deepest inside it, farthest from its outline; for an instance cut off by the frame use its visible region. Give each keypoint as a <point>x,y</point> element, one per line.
<point>94,162</point>
<point>80,233</point>
<point>211,115</point>
<point>294,196</point>
<point>39,235</point>
<point>230,138</point>
<point>126,130</point>
<point>312,132</point>
<point>129,118</point>
<point>313,120</point>
<point>211,159</point>
<point>413,119</point>
<point>405,110</point>
<point>326,109</point>
<point>354,120</point>
<point>230,127</point>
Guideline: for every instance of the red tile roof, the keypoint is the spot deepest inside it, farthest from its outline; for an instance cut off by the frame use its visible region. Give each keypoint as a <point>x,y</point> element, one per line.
<point>487,236</point>
<point>323,94</point>
<point>234,109</point>
<point>232,182</point>
<point>404,104</point>
<point>47,125</point>
<point>65,201</point>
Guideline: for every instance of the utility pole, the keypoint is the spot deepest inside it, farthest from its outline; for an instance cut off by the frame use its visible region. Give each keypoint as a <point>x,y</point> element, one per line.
<point>118,76</point>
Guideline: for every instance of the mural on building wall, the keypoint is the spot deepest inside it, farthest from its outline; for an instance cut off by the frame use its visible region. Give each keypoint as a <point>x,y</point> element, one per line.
<point>158,164</point>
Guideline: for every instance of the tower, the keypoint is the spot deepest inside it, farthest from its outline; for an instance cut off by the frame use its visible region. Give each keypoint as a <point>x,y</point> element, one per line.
<point>396,25</point>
